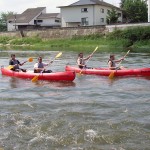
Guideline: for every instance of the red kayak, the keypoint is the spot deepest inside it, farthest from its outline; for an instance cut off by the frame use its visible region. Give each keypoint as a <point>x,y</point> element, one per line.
<point>107,72</point>
<point>57,76</point>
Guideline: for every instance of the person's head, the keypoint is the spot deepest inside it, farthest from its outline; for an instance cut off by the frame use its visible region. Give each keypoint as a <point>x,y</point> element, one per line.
<point>112,57</point>
<point>80,55</point>
<point>39,59</point>
<point>13,56</point>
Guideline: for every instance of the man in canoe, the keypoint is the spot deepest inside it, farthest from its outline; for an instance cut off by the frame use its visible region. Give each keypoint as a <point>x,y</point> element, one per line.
<point>14,64</point>
<point>40,66</point>
<point>81,61</point>
<point>112,63</point>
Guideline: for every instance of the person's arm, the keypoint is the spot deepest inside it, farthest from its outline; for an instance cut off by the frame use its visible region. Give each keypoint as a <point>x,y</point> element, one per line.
<point>119,60</point>
<point>22,63</point>
<point>78,62</point>
<point>45,64</point>
<point>87,57</point>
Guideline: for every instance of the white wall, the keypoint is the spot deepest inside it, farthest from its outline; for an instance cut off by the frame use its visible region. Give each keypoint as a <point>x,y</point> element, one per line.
<point>72,15</point>
<point>111,28</point>
<point>11,27</point>
<point>50,22</point>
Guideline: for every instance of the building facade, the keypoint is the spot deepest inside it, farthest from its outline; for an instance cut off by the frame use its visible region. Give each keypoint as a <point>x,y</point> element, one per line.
<point>33,18</point>
<point>87,13</point>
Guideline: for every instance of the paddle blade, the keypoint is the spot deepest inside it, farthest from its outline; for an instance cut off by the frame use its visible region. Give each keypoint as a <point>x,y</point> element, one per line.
<point>58,55</point>
<point>35,79</point>
<point>10,67</point>
<point>79,74</point>
<point>112,74</point>
<point>30,59</point>
<point>96,49</point>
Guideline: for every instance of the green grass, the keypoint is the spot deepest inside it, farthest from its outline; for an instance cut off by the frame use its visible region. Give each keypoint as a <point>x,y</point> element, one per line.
<point>115,41</point>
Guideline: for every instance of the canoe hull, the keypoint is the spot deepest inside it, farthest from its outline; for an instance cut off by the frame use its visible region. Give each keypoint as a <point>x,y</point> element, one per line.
<point>106,72</point>
<point>57,76</point>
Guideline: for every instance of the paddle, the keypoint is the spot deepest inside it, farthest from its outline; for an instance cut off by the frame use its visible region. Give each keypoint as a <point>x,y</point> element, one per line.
<point>88,59</point>
<point>29,60</point>
<point>112,74</point>
<point>35,78</point>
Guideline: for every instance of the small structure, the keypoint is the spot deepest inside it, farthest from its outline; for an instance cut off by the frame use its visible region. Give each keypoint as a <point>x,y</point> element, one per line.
<point>87,13</point>
<point>33,18</point>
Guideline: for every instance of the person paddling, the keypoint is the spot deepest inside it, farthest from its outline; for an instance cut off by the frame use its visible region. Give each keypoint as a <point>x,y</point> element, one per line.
<point>112,63</point>
<point>40,66</point>
<point>81,61</point>
<point>15,64</point>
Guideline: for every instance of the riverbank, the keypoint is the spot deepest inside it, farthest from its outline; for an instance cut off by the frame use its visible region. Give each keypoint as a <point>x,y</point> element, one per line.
<point>135,39</point>
<point>64,44</point>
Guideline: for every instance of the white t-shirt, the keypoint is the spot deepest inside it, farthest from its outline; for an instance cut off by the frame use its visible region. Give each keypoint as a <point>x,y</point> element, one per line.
<point>40,65</point>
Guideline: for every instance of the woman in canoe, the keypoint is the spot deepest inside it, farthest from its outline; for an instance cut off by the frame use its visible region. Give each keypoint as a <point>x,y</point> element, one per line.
<point>40,66</point>
<point>81,61</point>
<point>14,63</point>
<point>112,63</point>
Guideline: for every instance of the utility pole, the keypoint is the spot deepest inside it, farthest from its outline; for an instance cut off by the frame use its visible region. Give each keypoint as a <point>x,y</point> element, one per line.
<point>15,22</point>
<point>148,10</point>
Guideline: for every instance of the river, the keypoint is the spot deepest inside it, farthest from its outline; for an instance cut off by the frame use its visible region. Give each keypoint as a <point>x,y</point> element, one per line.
<point>90,113</point>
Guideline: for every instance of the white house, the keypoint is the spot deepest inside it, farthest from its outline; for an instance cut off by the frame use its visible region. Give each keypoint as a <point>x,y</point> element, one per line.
<point>148,10</point>
<point>33,18</point>
<point>87,13</point>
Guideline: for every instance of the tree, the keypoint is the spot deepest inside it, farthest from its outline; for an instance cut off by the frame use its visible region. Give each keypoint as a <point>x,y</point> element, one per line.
<point>112,16</point>
<point>134,10</point>
<point>122,3</point>
<point>3,20</point>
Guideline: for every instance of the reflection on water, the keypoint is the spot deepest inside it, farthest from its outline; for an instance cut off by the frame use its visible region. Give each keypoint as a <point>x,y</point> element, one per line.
<point>90,113</point>
<point>14,82</point>
<point>60,84</point>
<point>18,83</point>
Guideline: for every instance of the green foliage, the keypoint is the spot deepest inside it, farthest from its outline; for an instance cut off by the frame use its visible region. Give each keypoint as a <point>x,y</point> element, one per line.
<point>135,10</point>
<point>131,35</point>
<point>3,16</point>
<point>112,16</point>
<point>26,41</point>
<point>3,20</point>
<point>4,40</point>
<point>137,34</point>
<point>119,39</point>
<point>87,37</point>
<point>3,27</point>
<point>115,34</point>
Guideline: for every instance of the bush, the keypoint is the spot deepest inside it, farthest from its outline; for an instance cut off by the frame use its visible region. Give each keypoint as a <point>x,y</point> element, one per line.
<point>132,34</point>
<point>4,40</point>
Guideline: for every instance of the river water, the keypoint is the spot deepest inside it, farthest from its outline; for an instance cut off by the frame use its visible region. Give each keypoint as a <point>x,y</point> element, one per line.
<point>90,113</point>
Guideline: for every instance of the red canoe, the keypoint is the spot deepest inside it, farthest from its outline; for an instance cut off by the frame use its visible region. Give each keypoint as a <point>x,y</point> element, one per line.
<point>106,71</point>
<point>57,76</point>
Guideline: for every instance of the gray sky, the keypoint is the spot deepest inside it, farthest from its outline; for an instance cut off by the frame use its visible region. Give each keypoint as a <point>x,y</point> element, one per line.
<point>18,6</point>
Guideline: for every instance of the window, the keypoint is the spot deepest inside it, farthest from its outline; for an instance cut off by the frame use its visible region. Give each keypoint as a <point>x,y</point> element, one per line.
<point>56,20</point>
<point>39,21</point>
<point>102,19</point>
<point>102,10</point>
<point>119,14</point>
<point>84,10</point>
<point>84,21</point>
